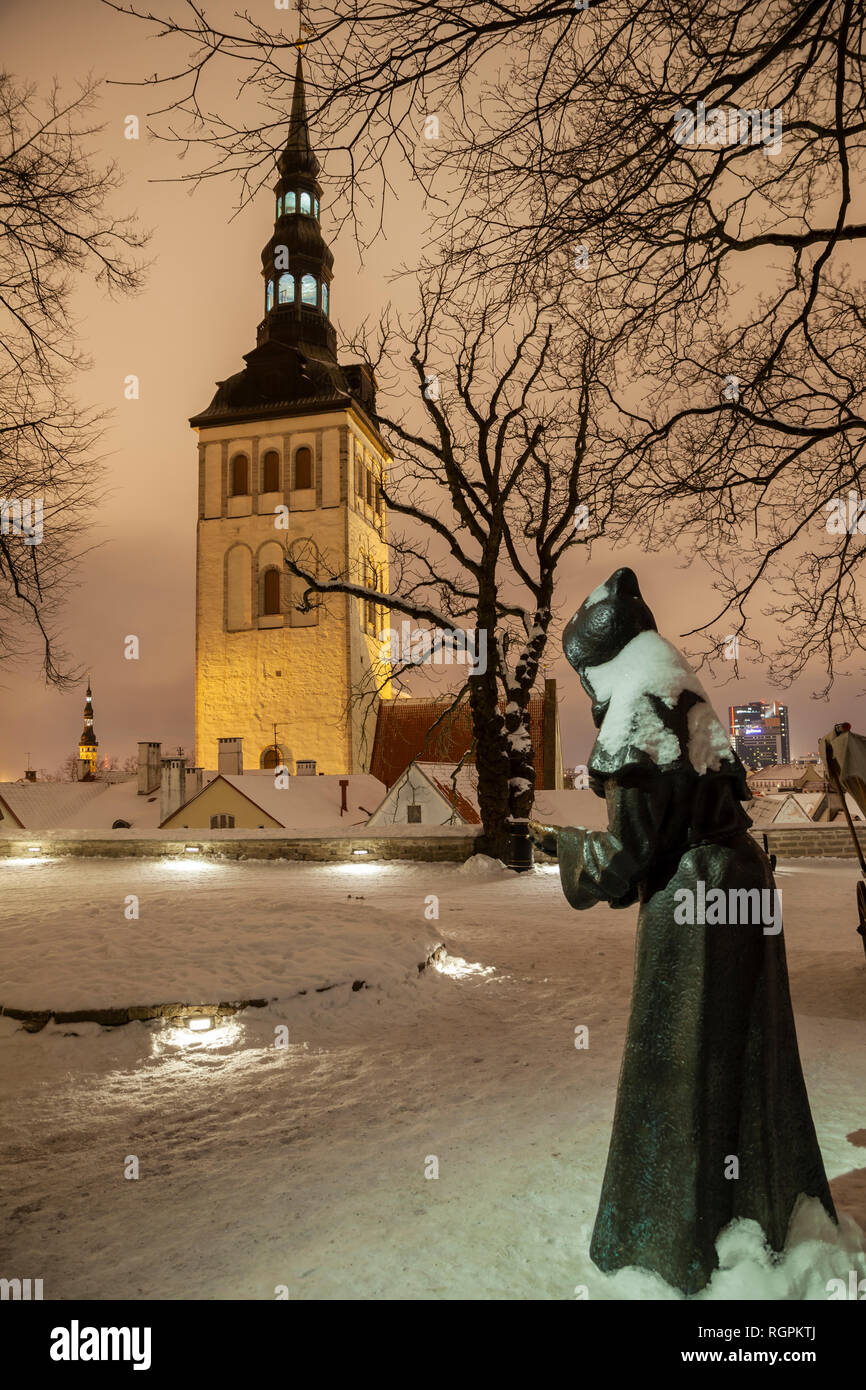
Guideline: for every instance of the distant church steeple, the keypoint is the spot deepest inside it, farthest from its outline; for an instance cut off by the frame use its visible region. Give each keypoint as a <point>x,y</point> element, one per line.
<point>88,744</point>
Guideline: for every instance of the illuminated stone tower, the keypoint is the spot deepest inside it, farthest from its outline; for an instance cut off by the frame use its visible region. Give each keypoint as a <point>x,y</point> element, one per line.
<point>289,452</point>
<point>88,744</point>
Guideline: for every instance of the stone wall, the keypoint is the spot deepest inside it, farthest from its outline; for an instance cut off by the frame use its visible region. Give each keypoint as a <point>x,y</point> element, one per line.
<point>787,842</point>
<point>340,849</point>
<point>810,841</point>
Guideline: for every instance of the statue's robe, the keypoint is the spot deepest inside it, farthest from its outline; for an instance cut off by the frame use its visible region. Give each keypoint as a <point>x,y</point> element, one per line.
<point>711,1070</point>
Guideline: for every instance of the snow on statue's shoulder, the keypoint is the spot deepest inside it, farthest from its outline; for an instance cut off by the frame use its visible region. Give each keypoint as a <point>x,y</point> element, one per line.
<point>648,670</point>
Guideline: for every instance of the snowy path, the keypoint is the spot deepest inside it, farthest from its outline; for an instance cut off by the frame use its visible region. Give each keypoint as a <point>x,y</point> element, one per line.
<point>305,1167</point>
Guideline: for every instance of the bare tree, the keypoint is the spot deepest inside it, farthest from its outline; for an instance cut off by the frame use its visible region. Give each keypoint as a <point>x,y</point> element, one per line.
<point>705,157</point>
<point>55,233</point>
<point>502,464</point>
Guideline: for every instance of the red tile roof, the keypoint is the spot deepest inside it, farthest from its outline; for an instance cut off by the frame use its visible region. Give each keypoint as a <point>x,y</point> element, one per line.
<point>404,732</point>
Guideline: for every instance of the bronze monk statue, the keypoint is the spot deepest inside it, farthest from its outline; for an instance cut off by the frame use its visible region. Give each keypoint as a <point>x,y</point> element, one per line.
<point>712,1118</point>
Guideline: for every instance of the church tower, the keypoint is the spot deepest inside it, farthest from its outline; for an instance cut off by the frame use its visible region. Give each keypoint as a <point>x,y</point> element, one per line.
<point>88,744</point>
<point>289,455</point>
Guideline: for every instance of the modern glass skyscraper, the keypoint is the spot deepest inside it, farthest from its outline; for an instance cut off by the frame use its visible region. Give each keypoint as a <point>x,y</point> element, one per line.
<point>760,734</point>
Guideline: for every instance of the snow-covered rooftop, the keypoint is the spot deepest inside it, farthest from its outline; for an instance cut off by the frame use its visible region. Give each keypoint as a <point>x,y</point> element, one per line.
<point>47,805</point>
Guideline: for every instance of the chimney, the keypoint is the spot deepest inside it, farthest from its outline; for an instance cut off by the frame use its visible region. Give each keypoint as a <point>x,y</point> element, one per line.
<point>344,787</point>
<point>148,768</point>
<point>194,781</point>
<point>30,774</point>
<point>305,767</point>
<point>172,788</point>
<point>230,759</point>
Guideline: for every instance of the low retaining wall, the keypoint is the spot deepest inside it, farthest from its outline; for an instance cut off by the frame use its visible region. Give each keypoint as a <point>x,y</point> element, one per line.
<point>810,841</point>
<point>787,842</point>
<point>339,849</point>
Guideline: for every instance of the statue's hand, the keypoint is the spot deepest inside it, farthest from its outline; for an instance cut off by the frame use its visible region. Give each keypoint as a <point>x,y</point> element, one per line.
<point>544,837</point>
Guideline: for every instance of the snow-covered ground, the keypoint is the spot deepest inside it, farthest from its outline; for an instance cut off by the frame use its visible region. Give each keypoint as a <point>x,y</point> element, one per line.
<point>304,1166</point>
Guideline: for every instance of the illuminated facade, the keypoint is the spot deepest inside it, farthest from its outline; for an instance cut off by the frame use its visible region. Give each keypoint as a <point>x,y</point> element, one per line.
<point>289,454</point>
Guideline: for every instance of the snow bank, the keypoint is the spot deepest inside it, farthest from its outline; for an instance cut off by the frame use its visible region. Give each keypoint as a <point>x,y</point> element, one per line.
<point>205,931</point>
<point>482,866</point>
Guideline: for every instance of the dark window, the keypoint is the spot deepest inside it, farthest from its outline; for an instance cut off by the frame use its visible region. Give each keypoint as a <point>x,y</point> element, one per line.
<point>304,468</point>
<point>221,823</point>
<point>369,488</point>
<point>240,476</point>
<point>377,498</point>
<point>413,815</point>
<point>271,757</point>
<point>120,825</point>
<point>359,479</point>
<point>271,472</point>
<point>271,591</point>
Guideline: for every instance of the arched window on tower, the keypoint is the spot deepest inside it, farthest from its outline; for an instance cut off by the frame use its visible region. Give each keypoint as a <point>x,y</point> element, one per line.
<point>271,757</point>
<point>279,206</point>
<point>240,484</point>
<point>306,204</point>
<point>270,591</point>
<point>271,471</point>
<point>269,297</point>
<point>324,296</point>
<point>308,290</point>
<point>286,289</point>
<point>289,203</point>
<point>304,468</point>
<point>316,206</point>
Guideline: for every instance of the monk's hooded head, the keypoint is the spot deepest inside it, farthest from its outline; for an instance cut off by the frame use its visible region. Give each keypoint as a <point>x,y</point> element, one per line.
<point>606,621</point>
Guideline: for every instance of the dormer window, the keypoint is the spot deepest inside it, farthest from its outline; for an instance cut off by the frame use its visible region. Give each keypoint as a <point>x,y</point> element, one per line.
<point>289,203</point>
<point>308,290</point>
<point>286,289</point>
<point>269,297</point>
<point>306,204</point>
<point>325,297</point>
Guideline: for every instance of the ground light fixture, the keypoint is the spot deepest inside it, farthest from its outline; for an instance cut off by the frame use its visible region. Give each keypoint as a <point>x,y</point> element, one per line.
<point>34,849</point>
<point>193,849</point>
<point>360,851</point>
<point>200,1023</point>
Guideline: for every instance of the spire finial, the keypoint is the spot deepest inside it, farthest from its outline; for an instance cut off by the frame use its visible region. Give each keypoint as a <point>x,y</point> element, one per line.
<point>303,27</point>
